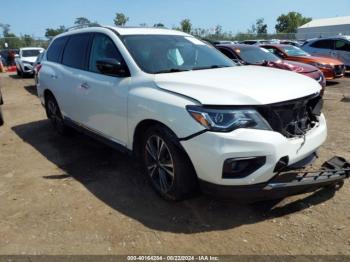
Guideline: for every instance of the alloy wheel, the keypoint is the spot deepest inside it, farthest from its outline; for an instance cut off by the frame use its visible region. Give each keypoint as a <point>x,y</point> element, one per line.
<point>159,163</point>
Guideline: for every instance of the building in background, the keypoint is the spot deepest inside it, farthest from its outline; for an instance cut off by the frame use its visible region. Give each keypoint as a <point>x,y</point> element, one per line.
<point>325,28</point>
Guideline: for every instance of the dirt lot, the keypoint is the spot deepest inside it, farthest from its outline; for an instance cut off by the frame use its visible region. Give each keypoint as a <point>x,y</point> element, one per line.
<point>76,196</point>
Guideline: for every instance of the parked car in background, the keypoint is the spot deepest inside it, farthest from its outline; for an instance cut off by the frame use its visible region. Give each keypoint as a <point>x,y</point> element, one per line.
<point>260,42</point>
<point>331,68</point>
<point>1,115</point>
<point>25,60</point>
<point>254,55</point>
<point>174,101</point>
<point>290,42</point>
<point>37,66</point>
<point>336,47</point>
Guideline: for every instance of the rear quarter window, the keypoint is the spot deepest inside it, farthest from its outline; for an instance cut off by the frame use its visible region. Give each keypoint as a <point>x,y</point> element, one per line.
<point>55,50</point>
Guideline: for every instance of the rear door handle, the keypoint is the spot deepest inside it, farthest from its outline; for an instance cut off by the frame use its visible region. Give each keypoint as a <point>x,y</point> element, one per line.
<point>54,77</point>
<point>85,86</point>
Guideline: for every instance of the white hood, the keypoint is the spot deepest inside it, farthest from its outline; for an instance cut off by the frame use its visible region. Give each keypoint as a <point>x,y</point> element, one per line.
<point>241,85</point>
<point>29,59</point>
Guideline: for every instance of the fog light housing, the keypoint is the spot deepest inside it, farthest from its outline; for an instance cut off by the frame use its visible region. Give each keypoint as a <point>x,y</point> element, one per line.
<point>242,167</point>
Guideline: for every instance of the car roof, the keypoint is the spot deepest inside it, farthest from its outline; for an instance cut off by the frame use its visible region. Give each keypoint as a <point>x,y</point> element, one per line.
<point>129,31</point>
<point>238,46</point>
<point>346,37</point>
<point>277,45</point>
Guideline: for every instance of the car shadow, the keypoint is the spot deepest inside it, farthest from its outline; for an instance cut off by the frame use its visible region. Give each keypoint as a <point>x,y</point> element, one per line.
<point>15,76</point>
<point>31,90</point>
<point>114,178</point>
<point>332,83</point>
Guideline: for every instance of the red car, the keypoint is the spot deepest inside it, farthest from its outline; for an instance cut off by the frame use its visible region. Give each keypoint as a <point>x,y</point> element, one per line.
<point>331,68</point>
<point>255,55</point>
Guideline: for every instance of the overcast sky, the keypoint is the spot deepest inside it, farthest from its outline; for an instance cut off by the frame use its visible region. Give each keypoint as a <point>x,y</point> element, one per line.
<point>34,16</point>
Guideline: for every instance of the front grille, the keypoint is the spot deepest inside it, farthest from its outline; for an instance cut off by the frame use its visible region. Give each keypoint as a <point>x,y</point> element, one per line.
<point>339,69</point>
<point>293,118</point>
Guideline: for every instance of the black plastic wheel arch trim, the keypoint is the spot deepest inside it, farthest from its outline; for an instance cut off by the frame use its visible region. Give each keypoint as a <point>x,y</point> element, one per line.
<point>193,135</point>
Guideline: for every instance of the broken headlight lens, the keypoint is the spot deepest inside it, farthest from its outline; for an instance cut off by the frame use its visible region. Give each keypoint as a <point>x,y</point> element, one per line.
<point>227,120</point>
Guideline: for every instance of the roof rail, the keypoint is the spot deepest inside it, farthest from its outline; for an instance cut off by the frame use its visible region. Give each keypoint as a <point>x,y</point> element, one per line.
<point>76,27</point>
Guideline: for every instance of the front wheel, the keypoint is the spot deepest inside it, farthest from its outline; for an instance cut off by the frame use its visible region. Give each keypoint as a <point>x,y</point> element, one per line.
<point>167,166</point>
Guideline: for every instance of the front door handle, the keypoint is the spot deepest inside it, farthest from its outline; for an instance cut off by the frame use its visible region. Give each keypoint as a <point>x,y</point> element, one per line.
<point>54,76</point>
<point>85,86</point>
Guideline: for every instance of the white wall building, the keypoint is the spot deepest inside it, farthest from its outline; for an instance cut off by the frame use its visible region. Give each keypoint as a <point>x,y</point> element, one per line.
<point>325,28</point>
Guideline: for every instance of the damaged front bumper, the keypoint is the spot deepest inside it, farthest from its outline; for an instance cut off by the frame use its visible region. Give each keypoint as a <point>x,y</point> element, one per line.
<point>286,183</point>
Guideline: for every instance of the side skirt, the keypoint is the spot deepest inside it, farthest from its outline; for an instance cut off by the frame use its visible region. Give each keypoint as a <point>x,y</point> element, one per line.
<point>97,136</point>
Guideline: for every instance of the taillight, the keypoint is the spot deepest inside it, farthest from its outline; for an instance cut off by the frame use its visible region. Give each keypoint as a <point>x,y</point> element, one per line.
<point>38,67</point>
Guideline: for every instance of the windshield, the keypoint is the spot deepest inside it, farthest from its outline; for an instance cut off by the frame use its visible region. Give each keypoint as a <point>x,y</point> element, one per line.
<point>170,53</point>
<point>256,55</point>
<point>30,53</point>
<point>294,51</point>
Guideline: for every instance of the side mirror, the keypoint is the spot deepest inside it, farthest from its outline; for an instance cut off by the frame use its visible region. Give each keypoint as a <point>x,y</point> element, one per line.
<point>112,67</point>
<point>16,55</point>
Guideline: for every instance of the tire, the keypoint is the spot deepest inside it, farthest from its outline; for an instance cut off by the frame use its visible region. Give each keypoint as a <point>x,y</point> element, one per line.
<point>53,113</point>
<point>1,117</point>
<point>166,165</point>
<point>336,186</point>
<point>20,73</point>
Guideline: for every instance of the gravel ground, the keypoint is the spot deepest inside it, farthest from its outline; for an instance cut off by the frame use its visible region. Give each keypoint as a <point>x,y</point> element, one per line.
<point>72,195</point>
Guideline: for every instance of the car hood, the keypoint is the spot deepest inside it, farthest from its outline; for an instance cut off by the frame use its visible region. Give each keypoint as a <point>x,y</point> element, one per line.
<point>295,66</point>
<point>241,85</point>
<point>318,59</point>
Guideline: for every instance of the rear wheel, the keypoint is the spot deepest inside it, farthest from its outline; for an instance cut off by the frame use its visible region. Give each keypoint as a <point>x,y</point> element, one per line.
<point>54,114</point>
<point>167,166</point>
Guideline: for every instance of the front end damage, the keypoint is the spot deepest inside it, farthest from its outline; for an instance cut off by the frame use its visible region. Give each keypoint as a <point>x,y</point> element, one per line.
<point>290,181</point>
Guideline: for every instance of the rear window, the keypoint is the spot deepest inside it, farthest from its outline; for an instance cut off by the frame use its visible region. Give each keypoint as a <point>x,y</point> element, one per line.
<point>55,50</point>
<point>75,51</point>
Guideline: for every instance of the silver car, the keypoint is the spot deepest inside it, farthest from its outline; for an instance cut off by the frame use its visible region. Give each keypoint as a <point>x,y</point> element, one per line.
<point>337,47</point>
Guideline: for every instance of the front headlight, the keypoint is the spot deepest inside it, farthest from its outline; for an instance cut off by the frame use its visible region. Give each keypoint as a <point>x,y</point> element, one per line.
<point>324,66</point>
<point>227,120</point>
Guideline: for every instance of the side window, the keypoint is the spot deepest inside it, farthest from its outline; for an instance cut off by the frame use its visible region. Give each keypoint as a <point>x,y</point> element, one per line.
<point>323,44</point>
<point>342,45</point>
<point>227,53</point>
<point>55,51</point>
<point>275,51</point>
<point>74,54</point>
<point>103,48</point>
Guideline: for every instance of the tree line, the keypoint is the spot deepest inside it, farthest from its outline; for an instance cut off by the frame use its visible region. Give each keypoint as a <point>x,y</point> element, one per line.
<point>286,26</point>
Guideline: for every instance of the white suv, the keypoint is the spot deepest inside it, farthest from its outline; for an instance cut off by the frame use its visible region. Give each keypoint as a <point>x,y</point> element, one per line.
<point>26,59</point>
<point>188,113</point>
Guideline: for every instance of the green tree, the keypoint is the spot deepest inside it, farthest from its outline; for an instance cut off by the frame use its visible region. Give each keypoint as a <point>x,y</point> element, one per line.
<point>82,21</point>
<point>28,40</point>
<point>120,19</point>
<point>51,32</point>
<point>186,26</point>
<point>261,27</point>
<point>159,25</point>
<point>5,29</point>
<point>289,23</point>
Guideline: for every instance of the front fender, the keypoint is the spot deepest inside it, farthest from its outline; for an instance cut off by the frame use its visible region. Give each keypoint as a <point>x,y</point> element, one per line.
<point>152,103</point>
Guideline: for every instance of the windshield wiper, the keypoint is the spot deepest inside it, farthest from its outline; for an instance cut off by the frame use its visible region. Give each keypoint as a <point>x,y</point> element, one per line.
<point>209,67</point>
<point>171,70</point>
